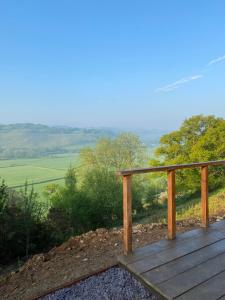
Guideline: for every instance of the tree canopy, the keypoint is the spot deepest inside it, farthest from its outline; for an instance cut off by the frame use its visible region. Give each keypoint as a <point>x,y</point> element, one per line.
<point>200,138</point>
<point>124,151</point>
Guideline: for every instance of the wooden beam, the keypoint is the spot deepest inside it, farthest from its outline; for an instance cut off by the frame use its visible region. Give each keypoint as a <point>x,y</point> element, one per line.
<point>127,215</point>
<point>204,196</point>
<point>171,205</point>
<point>170,168</point>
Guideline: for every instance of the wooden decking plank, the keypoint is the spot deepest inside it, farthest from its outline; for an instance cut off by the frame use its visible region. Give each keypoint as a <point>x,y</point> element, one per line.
<point>153,248</point>
<point>193,277</point>
<point>212,289</point>
<point>141,252</point>
<point>175,267</point>
<point>179,250</point>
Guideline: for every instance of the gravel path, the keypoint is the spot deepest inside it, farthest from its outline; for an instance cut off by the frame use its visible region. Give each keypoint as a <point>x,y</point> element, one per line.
<point>113,284</point>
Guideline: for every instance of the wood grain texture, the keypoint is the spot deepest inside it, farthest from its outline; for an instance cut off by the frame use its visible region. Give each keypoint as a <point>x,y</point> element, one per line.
<point>163,257</point>
<point>171,205</point>
<point>193,277</point>
<point>146,251</point>
<point>127,214</point>
<point>212,289</point>
<point>127,197</point>
<point>171,167</point>
<point>185,269</point>
<point>182,264</point>
<point>204,196</point>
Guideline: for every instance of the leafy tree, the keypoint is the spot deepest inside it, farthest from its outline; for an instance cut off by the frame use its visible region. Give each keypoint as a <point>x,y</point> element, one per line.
<point>125,151</point>
<point>3,197</point>
<point>100,183</point>
<point>96,200</point>
<point>104,192</point>
<point>22,228</point>
<point>200,138</point>
<point>69,212</point>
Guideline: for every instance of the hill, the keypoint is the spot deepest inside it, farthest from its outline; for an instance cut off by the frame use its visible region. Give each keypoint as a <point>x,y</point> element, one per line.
<point>36,140</point>
<point>32,140</point>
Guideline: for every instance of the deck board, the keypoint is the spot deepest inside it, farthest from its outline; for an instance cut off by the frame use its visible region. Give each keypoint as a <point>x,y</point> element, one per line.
<point>167,271</point>
<point>183,248</point>
<point>209,290</point>
<point>180,268</point>
<point>193,277</point>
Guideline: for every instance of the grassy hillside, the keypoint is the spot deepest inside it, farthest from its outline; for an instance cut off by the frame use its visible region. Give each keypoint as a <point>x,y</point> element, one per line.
<point>191,209</point>
<point>32,140</point>
<point>39,153</point>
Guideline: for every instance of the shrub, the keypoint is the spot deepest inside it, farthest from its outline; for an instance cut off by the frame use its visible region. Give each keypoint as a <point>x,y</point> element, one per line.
<point>22,229</point>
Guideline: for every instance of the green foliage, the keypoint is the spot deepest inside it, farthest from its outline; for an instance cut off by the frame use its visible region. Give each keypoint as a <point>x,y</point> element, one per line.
<point>200,138</point>
<point>22,229</point>
<point>69,212</point>
<point>125,151</point>
<point>92,196</point>
<point>104,193</point>
<point>99,180</point>
<point>97,200</point>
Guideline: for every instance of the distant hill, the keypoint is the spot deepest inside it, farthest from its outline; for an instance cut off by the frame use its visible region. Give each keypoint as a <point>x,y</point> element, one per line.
<point>35,140</point>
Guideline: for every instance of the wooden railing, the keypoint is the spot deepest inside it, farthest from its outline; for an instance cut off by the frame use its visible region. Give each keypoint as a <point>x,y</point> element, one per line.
<point>171,171</point>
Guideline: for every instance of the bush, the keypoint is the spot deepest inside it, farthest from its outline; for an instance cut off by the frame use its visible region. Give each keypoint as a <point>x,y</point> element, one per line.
<point>69,212</point>
<point>97,200</point>
<point>22,230</point>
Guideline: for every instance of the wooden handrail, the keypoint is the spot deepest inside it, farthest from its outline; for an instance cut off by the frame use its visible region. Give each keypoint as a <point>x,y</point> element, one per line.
<point>171,173</point>
<point>171,167</point>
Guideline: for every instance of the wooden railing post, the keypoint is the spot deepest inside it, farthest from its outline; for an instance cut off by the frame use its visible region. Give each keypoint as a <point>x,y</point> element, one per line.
<point>171,205</point>
<point>127,214</point>
<point>204,196</point>
<point>127,197</point>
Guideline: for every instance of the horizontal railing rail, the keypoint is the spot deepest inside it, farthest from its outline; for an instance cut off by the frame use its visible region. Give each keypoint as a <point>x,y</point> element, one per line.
<point>171,175</point>
<point>171,167</point>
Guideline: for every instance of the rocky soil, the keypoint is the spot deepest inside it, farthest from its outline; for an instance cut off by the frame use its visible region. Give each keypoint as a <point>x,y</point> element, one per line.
<point>76,258</point>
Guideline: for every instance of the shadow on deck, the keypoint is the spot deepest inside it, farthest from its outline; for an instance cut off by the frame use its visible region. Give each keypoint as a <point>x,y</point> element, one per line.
<point>190,267</point>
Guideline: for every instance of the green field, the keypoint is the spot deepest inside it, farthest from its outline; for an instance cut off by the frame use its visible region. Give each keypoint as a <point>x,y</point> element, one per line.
<point>15,172</point>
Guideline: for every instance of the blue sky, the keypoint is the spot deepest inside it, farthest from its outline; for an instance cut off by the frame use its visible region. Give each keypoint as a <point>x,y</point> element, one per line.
<point>129,64</point>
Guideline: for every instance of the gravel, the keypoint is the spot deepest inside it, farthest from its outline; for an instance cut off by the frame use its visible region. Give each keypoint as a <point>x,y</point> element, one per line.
<point>113,284</point>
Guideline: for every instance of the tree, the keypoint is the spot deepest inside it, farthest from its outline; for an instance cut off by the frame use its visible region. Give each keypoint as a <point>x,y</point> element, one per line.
<point>96,199</point>
<point>69,212</point>
<point>22,228</point>
<point>99,180</point>
<point>104,192</point>
<point>125,151</point>
<point>200,138</point>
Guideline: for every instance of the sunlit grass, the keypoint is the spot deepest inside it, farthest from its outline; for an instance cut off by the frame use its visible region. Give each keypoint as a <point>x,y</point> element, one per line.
<point>190,209</point>
<point>193,208</point>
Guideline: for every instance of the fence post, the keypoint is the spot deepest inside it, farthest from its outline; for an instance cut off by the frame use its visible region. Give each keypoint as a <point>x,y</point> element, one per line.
<point>127,214</point>
<point>204,196</point>
<point>171,205</point>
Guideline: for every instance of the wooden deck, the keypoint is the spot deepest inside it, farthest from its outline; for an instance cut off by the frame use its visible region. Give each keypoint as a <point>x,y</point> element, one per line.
<point>190,267</point>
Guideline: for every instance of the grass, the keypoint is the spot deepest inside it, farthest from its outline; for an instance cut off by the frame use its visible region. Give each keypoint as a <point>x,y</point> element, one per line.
<point>34,171</point>
<point>191,209</point>
<point>16,172</point>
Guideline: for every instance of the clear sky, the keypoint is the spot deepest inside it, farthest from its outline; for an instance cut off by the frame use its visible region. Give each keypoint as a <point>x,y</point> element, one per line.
<point>120,63</point>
